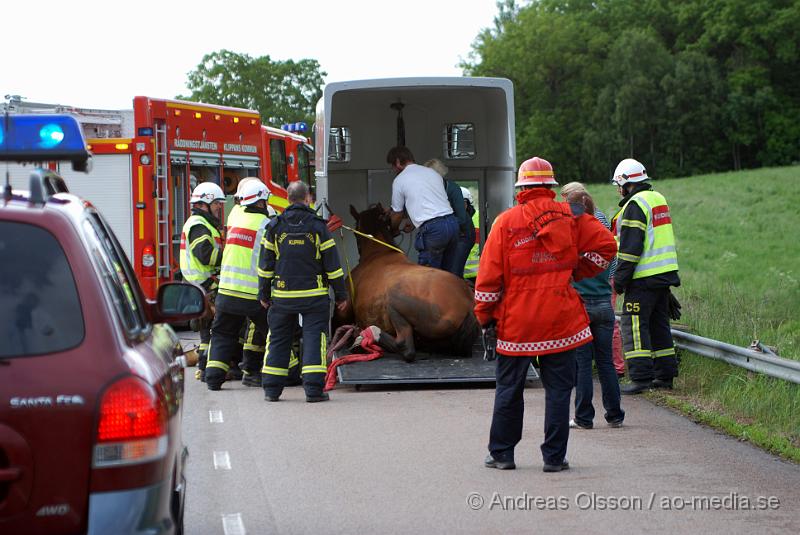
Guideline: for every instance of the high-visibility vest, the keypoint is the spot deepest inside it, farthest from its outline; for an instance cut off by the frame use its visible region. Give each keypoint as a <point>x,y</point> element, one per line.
<point>659,254</point>
<point>192,269</point>
<point>474,258</point>
<point>239,274</point>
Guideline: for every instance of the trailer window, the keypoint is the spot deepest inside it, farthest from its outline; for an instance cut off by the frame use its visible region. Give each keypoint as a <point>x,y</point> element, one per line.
<point>459,141</point>
<point>339,144</point>
<point>277,153</point>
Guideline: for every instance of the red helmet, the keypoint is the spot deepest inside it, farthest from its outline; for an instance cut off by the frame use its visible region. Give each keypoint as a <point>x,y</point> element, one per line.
<point>534,172</point>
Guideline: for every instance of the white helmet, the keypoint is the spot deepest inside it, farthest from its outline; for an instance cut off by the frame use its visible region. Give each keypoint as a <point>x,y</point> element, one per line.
<point>242,183</point>
<point>466,194</point>
<point>253,192</point>
<point>629,170</point>
<point>207,192</point>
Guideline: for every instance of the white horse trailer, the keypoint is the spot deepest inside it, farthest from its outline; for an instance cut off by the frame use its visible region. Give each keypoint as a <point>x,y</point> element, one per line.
<point>468,123</point>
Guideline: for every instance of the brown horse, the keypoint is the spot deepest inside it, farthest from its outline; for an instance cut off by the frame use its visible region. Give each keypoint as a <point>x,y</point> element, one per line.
<point>418,305</point>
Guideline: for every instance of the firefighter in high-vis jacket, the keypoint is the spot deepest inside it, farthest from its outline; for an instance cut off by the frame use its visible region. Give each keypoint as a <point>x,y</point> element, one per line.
<point>201,251</point>
<point>253,342</point>
<point>237,299</point>
<point>298,262</point>
<point>646,268</point>
<point>474,258</point>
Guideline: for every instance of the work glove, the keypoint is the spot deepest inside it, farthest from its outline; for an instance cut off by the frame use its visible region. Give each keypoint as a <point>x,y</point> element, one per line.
<point>674,307</point>
<point>489,341</point>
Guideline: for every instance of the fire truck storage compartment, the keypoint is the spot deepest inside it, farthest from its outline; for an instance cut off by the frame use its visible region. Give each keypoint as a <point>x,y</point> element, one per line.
<point>107,187</point>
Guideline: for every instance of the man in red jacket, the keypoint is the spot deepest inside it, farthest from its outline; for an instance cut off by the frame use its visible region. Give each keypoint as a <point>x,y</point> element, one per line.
<point>532,254</point>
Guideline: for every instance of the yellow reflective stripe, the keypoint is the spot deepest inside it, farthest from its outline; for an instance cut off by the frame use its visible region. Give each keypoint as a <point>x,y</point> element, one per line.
<point>314,369</point>
<point>292,294</point>
<point>272,370</point>
<point>204,237</point>
<point>664,352</point>
<point>634,224</point>
<point>253,347</point>
<point>293,360</point>
<point>202,347</point>
<point>323,351</point>
<point>335,274</point>
<point>637,354</point>
<point>217,364</point>
<point>327,245</point>
<point>637,336</point>
<point>265,274</point>
<point>268,244</point>
<point>234,293</point>
<point>628,257</point>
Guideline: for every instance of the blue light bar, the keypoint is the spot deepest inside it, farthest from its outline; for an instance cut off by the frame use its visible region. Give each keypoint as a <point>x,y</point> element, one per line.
<point>41,138</point>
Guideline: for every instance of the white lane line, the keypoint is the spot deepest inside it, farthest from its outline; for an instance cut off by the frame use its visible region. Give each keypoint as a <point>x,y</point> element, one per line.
<point>222,461</point>
<point>215,417</point>
<point>232,524</point>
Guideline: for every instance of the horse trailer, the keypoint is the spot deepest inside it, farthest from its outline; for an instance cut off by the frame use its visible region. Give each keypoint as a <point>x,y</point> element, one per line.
<point>468,123</point>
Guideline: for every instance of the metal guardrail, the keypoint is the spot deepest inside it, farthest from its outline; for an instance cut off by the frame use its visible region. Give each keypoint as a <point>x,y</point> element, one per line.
<point>781,368</point>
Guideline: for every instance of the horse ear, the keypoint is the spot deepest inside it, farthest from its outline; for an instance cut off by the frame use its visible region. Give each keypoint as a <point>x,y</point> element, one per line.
<point>354,212</point>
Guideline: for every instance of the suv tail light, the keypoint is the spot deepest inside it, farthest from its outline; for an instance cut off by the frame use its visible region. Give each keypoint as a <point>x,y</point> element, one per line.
<point>148,261</point>
<point>132,425</point>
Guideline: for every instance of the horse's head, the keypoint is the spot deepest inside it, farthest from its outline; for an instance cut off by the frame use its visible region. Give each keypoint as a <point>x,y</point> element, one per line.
<point>374,221</point>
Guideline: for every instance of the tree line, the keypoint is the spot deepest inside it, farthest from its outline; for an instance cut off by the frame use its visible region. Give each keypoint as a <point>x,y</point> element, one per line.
<point>281,91</point>
<point>685,86</point>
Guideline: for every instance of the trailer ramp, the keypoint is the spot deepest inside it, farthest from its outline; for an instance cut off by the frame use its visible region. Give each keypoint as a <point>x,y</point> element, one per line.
<point>428,368</point>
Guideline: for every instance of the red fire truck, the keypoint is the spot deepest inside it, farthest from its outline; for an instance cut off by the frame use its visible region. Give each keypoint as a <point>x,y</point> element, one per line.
<point>147,160</point>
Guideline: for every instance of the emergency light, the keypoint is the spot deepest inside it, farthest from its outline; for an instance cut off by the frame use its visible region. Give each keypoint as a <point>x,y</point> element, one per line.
<point>42,138</point>
<point>294,127</point>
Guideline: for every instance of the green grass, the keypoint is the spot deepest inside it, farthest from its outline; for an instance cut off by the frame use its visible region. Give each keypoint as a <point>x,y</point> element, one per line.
<point>738,237</point>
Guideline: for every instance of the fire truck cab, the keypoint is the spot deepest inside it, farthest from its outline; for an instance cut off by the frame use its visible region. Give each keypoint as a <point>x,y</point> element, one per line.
<point>147,161</point>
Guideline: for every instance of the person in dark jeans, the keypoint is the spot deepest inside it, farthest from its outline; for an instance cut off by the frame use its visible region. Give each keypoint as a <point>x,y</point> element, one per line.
<point>596,295</point>
<point>419,192</point>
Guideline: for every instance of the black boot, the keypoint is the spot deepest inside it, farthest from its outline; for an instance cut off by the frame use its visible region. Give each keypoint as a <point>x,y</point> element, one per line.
<point>663,383</point>
<point>636,387</point>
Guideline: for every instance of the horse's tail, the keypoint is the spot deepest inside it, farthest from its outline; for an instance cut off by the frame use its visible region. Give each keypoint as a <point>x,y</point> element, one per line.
<point>464,338</point>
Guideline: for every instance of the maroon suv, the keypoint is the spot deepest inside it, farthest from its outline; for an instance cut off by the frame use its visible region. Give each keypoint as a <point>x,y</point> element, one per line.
<point>90,390</point>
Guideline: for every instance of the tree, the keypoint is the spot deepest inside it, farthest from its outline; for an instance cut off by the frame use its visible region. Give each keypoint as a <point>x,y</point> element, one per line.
<point>281,91</point>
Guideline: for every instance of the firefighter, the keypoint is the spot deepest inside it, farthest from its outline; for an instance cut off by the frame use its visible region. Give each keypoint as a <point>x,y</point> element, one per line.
<point>298,263</point>
<point>531,256</point>
<point>237,300</point>
<point>252,341</point>
<point>647,266</point>
<point>201,252</point>
<point>474,257</point>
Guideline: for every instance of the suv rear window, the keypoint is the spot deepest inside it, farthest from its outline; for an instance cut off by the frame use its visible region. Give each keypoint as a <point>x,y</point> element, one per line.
<point>39,307</point>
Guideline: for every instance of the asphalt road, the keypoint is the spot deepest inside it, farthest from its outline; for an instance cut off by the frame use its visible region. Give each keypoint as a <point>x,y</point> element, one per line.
<point>411,461</point>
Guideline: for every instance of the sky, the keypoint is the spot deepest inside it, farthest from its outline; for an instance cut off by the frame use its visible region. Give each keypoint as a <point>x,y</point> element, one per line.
<point>95,54</point>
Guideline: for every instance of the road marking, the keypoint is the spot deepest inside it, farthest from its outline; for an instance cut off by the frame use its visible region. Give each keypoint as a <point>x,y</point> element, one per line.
<point>232,524</point>
<point>222,460</point>
<point>215,417</point>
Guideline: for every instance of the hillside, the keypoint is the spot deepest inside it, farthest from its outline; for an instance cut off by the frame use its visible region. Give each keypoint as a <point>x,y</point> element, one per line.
<point>738,251</point>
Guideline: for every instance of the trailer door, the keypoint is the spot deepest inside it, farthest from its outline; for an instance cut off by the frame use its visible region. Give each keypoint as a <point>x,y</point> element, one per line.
<point>108,187</point>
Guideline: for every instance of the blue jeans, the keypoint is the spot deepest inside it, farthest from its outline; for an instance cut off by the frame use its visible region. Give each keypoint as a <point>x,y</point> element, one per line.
<point>463,248</point>
<point>601,322</point>
<point>436,242</point>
